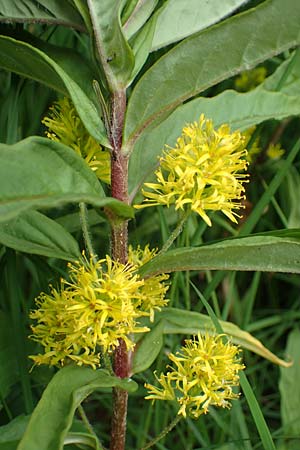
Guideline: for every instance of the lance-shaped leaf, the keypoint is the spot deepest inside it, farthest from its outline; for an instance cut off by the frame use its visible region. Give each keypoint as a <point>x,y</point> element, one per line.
<point>267,252</point>
<point>138,17</point>
<point>61,69</point>
<point>33,232</point>
<point>178,321</point>
<point>39,173</point>
<point>178,19</point>
<point>52,12</point>
<point>52,418</point>
<point>113,50</point>
<point>199,61</point>
<point>189,322</point>
<point>239,110</point>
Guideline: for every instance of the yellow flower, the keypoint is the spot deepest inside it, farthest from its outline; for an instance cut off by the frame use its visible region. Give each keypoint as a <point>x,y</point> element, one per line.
<point>275,151</point>
<point>250,79</point>
<point>100,303</point>
<point>202,173</point>
<point>65,126</point>
<point>206,369</point>
<point>154,289</point>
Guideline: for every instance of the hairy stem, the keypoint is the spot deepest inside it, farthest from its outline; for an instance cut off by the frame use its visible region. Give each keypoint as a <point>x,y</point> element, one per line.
<point>119,243</point>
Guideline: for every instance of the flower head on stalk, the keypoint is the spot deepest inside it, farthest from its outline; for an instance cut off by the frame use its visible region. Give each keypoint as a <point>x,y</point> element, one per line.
<point>65,126</point>
<point>98,305</point>
<point>206,370</point>
<point>202,173</point>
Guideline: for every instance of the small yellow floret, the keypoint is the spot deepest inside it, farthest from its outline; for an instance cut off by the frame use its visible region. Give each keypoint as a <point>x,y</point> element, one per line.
<point>206,369</point>
<point>202,173</point>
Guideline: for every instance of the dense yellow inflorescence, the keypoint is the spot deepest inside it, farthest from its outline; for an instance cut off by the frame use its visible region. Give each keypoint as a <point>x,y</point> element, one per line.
<point>204,374</point>
<point>100,303</point>
<point>202,173</point>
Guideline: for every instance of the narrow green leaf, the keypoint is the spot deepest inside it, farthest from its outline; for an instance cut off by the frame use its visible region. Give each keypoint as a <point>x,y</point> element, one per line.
<point>178,19</point>
<point>81,439</point>
<point>61,69</point>
<point>33,232</point>
<point>141,46</point>
<point>262,427</point>
<point>264,252</point>
<point>290,392</point>
<point>178,321</point>
<point>148,348</point>
<point>293,188</point>
<point>246,39</point>
<point>53,415</point>
<point>114,52</point>
<point>39,173</point>
<point>44,11</point>
<point>139,16</point>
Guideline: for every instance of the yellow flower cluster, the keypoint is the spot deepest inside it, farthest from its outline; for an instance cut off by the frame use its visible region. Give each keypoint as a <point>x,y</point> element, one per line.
<point>205,373</point>
<point>100,304</point>
<point>202,172</point>
<point>65,126</point>
<point>250,79</point>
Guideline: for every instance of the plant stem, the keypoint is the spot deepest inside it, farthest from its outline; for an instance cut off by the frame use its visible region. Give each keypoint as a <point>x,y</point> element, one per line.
<point>86,231</point>
<point>87,424</point>
<point>163,433</point>
<point>119,243</point>
<point>175,233</point>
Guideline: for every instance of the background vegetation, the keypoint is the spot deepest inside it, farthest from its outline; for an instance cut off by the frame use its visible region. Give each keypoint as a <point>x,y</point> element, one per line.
<point>264,302</point>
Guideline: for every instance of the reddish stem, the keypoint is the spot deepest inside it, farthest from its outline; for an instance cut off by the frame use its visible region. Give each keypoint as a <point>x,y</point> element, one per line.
<point>119,242</point>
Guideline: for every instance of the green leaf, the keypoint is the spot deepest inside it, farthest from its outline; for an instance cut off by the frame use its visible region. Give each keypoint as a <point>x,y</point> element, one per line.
<point>8,363</point>
<point>148,348</point>
<point>177,321</point>
<point>33,232</point>
<point>293,188</point>
<point>59,68</point>
<point>267,252</point>
<point>11,433</point>
<point>290,392</point>
<point>141,46</point>
<point>44,11</point>
<point>178,19</point>
<point>141,13</point>
<point>39,173</point>
<point>246,39</point>
<point>52,418</point>
<point>81,439</point>
<point>113,50</point>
